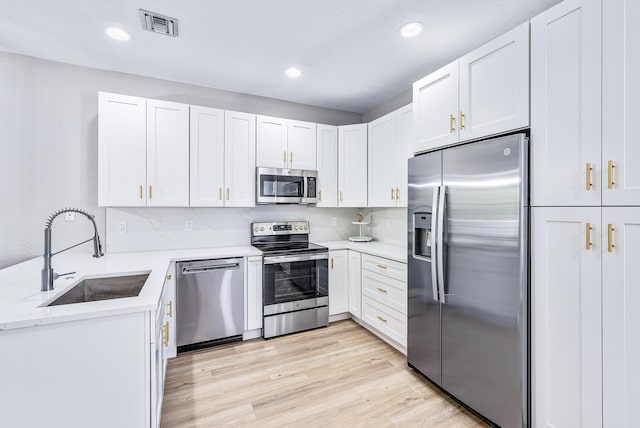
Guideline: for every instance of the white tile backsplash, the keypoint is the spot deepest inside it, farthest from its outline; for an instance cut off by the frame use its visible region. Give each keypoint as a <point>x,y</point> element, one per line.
<point>149,229</point>
<point>396,218</point>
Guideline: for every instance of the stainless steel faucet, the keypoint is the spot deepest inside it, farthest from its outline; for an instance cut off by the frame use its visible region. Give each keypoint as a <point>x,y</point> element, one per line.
<point>48,275</point>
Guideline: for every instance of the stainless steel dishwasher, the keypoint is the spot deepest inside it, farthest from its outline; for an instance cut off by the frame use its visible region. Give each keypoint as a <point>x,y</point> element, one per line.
<point>209,302</point>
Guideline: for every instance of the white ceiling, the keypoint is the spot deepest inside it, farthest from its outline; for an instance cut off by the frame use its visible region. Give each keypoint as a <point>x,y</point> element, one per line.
<point>351,55</point>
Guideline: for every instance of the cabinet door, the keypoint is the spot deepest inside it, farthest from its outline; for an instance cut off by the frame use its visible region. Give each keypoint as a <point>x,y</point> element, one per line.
<point>566,104</point>
<point>167,154</point>
<point>435,109</point>
<point>239,159</point>
<point>352,165</point>
<point>620,102</point>
<point>327,156</point>
<point>122,150</point>
<point>254,293</point>
<point>206,149</point>
<point>384,158</point>
<point>566,317</point>
<point>405,138</point>
<point>301,138</point>
<point>338,282</point>
<point>170,310</point>
<point>355,284</point>
<point>272,142</point>
<point>494,86</point>
<point>621,317</point>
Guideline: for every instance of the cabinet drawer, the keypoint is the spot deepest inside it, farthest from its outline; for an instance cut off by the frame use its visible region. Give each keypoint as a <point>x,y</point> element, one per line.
<point>386,290</point>
<point>385,267</point>
<point>387,320</point>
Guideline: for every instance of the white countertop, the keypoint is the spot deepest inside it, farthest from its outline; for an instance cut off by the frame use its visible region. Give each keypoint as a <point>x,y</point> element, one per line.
<point>21,298</point>
<point>393,252</point>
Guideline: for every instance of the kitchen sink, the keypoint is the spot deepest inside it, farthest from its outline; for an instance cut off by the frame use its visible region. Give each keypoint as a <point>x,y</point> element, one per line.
<point>107,288</point>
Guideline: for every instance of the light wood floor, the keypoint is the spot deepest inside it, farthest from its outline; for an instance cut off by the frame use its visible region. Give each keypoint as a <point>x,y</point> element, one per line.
<point>339,376</point>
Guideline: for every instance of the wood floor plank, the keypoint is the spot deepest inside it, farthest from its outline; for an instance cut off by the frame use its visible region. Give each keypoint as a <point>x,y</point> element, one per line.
<point>337,376</point>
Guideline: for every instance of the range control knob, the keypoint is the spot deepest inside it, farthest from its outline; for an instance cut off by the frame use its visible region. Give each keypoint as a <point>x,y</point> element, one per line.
<point>261,229</point>
<point>255,229</point>
<point>306,227</point>
<point>296,227</point>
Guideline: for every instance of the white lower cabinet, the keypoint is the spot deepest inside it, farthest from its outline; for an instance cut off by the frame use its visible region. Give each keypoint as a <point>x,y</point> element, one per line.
<point>253,299</point>
<point>566,316</point>
<point>338,282</point>
<point>384,296</point>
<point>620,235</point>
<point>169,299</point>
<point>355,284</point>
<point>388,321</point>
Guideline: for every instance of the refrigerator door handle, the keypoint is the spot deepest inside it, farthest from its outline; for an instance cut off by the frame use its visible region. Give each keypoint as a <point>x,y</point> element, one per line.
<point>435,245</point>
<point>442,200</point>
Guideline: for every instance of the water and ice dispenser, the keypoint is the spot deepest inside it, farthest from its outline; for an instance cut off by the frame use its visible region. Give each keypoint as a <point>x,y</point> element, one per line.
<point>422,236</point>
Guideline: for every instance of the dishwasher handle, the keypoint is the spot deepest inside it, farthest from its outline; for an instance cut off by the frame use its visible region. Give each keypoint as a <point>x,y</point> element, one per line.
<point>187,270</point>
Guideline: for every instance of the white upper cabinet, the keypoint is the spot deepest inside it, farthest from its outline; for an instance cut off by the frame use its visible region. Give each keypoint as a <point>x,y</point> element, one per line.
<point>620,102</point>
<point>566,104</point>
<point>435,109</point>
<point>327,156</point>
<point>240,159</point>
<point>302,144</point>
<point>566,317</point>
<point>207,157</point>
<point>352,165</point>
<point>621,317</point>
<point>384,161</point>
<point>485,92</point>
<point>283,143</point>
<point>272,142</point>
<point>405,136</point>
<point>494,86</point>
<point>389,145</point>
<point>167,154</point>
<point>122,150</point>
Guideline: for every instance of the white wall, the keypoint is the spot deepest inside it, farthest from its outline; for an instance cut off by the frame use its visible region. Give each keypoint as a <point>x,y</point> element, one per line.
<point>48,142</point>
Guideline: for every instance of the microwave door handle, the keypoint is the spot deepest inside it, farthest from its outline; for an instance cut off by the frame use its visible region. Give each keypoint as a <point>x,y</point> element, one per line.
<point>440,254</point>
<point>435,245</point>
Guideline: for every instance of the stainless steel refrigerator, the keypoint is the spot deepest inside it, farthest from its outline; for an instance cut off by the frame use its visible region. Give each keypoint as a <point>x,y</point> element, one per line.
<point>468,319</point>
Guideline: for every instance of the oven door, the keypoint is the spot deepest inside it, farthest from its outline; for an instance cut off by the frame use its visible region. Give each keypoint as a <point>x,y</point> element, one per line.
<point>280,186</point>
<point>295,282</point>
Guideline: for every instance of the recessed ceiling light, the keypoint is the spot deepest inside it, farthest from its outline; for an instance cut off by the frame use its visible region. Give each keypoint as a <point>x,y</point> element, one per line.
<point>293,72</point>
<point>117,33</point>
<point>411,29</point>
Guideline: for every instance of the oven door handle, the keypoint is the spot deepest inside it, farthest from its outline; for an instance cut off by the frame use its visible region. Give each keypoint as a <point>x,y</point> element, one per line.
<point>297,258</point>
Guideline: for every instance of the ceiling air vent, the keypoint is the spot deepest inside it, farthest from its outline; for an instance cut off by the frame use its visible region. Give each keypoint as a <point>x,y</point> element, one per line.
<point>158,23</point>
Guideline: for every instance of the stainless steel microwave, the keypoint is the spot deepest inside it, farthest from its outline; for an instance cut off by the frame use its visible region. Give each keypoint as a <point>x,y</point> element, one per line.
<point>286,186</point>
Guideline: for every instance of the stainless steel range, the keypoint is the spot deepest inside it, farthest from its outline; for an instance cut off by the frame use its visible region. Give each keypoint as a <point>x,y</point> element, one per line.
<point>295,282</point>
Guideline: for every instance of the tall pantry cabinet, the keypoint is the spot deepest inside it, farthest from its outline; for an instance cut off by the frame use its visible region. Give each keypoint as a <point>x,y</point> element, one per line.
<point>585,197</point>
